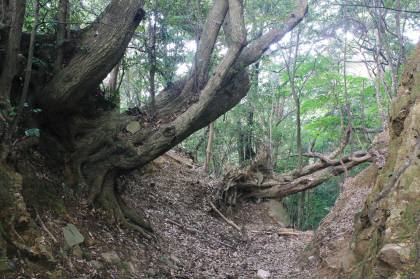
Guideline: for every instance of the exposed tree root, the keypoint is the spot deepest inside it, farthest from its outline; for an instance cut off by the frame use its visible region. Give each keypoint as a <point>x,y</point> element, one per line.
<point>111,201</point>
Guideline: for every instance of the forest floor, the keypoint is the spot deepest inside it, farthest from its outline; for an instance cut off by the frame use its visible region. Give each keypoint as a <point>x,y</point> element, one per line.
<point>192,240</point>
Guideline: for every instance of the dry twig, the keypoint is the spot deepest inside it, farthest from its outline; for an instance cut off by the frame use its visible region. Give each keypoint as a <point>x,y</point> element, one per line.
<point>230,222</point>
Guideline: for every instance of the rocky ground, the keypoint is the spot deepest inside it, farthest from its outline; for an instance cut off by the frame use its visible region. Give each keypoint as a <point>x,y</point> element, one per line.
<point>193,241</point>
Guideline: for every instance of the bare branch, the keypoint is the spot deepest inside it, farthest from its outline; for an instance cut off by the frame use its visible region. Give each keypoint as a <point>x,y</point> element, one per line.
<point>257,48</point>
<point>376,7</point>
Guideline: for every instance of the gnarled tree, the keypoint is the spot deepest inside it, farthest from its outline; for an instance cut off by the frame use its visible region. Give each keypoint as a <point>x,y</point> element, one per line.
<point>100,143</point>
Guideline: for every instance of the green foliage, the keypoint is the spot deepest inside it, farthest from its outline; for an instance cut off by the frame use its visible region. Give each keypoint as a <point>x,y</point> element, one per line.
<point>318,203</point>
<point>33,132</point>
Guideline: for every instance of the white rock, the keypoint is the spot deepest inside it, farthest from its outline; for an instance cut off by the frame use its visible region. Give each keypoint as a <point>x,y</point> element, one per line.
<point>111,257</point>
<point>263,274</point>
<point>312,259</point>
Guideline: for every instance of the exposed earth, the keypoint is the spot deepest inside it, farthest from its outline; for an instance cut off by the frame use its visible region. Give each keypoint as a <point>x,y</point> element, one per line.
<point>192,240</point>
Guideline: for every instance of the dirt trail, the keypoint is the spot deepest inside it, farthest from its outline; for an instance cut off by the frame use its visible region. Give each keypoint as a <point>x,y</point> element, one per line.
<point>203,245</point>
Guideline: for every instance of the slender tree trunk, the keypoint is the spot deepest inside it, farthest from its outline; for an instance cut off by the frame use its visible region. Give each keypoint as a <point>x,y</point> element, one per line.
<point>199,144</point>
<point>151,50</point>
<point>16,12</point>
<point>292,67</point>
<point>209,149</point>
<point>299,148</point>
<point>301,209</point>
<point>113,78</point>
<point>113,85</point>
<point>378,94</point>
<point>28,72</point>
<point>62,32</point>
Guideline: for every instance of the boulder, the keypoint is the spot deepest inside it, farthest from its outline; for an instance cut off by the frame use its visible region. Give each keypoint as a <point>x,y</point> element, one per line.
<point>395,255</point>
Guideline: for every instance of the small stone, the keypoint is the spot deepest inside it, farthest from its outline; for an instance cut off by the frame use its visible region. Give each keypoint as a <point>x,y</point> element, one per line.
<point>90,242</point>
<point>56,274</point>
<point>133,127</point>
<point>263,274</point>
<point>175,260</point>
<point>131,268</point>
<point>111,257</point>
<point>72,236</point>
<point>312,259</point>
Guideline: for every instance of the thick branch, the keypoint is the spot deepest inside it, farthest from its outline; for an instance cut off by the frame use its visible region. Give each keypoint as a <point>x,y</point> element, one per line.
<point>172,101</point>
<point>101,47</point>
<point>208,38</point>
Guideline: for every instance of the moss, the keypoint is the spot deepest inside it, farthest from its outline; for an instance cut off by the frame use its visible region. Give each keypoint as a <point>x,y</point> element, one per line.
<point>409,220</point>
<point>413,254</point>
<point>308,247</point>
<point>8,179</point>
<point>124,266</point>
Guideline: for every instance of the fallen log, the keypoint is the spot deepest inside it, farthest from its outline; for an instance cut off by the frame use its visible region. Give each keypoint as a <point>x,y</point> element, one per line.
<point>257,182</point>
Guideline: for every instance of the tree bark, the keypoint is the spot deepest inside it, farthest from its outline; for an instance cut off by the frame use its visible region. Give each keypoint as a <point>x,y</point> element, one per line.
<point>151,53</point>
